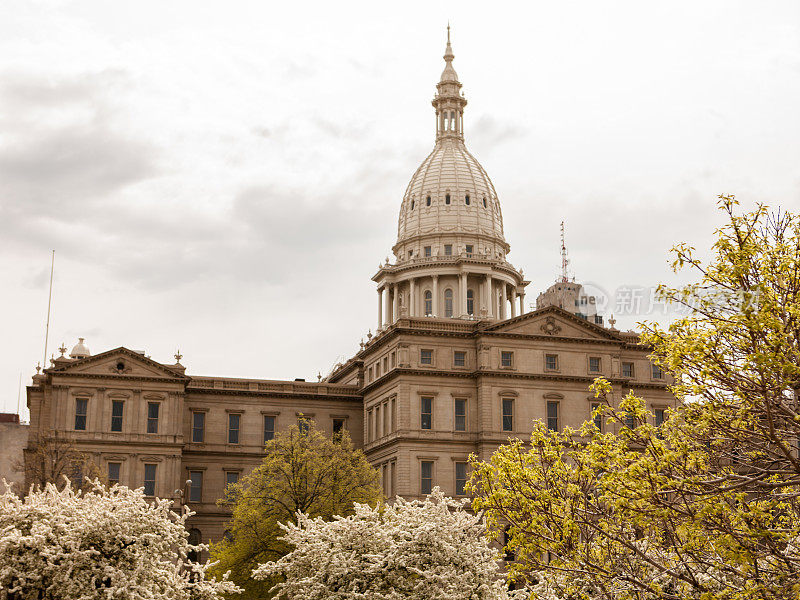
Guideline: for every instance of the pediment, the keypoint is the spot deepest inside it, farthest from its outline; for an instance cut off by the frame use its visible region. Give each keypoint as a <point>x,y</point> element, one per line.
<point>552,321</point>
<point>120,361</point>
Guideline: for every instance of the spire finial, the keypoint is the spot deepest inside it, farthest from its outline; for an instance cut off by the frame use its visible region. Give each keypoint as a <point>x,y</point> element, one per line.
<point>448,51</point>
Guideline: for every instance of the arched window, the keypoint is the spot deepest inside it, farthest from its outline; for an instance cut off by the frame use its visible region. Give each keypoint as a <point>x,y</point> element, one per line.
<point>448,303</point>
<point>466,199</point>
<point>447,198</point>
<point>428,200</point>
<point>428,303</point>
<point>470,302</point>
<point>195,537</point>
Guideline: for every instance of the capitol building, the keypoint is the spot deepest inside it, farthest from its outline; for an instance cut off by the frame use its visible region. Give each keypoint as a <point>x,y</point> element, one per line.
<point>456,365</point>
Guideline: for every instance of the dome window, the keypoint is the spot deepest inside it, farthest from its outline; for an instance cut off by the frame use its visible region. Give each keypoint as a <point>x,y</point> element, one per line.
<point>428,200</point>
<point>466,199</point>
<point>448,303</point>
<point>412,204</point>
<point>470,302</point>
<point>428,303</point>
<point>484,202</point>
<point>447,198</point>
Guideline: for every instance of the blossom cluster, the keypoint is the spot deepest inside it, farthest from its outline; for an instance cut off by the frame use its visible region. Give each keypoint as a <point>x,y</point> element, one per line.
<point>104,543</point>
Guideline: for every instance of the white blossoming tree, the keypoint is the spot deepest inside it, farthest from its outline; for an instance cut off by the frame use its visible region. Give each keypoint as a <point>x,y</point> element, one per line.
<point>102,543</point>
<point>413,550</point>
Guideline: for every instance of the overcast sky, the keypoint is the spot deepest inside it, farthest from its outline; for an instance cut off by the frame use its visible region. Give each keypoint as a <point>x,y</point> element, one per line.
<point>224,177</point>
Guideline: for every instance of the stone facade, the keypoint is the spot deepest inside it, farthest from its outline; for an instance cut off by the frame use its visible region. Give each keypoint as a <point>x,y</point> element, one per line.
<point>454,368</point>
<point>13,438</point>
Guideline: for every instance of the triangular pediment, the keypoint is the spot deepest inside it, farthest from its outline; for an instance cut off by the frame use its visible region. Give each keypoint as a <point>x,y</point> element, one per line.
<point>552,321</point>
<point>120,361</point>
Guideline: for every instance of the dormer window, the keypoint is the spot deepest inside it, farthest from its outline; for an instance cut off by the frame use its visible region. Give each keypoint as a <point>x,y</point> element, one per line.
<point>447,199</point>
<point>428,200</point>
<point>466,199</point>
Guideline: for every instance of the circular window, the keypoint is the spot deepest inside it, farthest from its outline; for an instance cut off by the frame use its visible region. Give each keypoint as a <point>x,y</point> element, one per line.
<point>120,366</point>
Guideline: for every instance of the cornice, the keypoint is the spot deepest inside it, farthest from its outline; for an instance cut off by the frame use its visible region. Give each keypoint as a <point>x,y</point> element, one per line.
<point>507,374</point>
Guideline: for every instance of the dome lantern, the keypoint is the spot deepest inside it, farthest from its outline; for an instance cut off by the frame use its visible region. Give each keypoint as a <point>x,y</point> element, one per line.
<point>80,350</point>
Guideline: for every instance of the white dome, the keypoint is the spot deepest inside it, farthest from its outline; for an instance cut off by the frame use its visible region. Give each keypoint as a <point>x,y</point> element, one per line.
<point>80,350</point>
<point>473,209</point>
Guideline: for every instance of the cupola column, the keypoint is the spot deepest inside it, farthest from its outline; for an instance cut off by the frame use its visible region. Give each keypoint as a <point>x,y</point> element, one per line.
<point>412,297</point>
<point>513,302</point>
<point>435,307</point>
<point>388,306</point>
<point>462,294</point>
<point>503,299</point>
<point>522,302</point>
<point>380,307</point>
<point>487,297</point>
<point>395,302</point>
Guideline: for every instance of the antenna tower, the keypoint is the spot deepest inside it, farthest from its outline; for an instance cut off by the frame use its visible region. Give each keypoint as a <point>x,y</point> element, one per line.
<point>564,259</point>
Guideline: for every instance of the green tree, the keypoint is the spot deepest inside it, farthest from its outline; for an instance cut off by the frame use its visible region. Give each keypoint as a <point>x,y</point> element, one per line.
<point>303,471</point>
<point>707,505</point>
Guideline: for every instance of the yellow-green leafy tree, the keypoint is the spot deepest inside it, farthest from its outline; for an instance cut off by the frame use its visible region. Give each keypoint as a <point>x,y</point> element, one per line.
<point>706,506</point>
<point>305,471</point>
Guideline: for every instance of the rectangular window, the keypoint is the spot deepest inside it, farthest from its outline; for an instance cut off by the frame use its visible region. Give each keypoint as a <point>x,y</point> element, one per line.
<point>627,369</point>
<point>426,357</point>
<point>113,473</point>
<point>469,248</point>
<point>459,358</point>
<point>426,413</point>
<point>508,414</point>
<point>427,251</point>
<point>338,426</point>
<point>369,374</point>
<point>425,477</point>
<point>508,554</point>
<point>448,249</point>
<point>150,480</point>
<point>551,362</point>
<point>370,430</point>
<point>660,416</point>
<point>303,425</point>
<point>117,407</point>
<point>81,406</point>
<point>598,419</point>
<point>269,428</point>
<point>377,369</point>
<point>152,417</point>
<point>393,359</point>
<point>231,478</point>
<point>657,372</point>
<point>392,415</point>
<point>461,478</point>
<point>385,364</point>
<point>460,414</point>
<point>378,421</point>
<point>234,421</point>
<point>552,415</point>
<point>195,486</point>
<point>385,413</point>
<point>630,422</point>
<point>198,427</point>
<point>594,364</point>
<point>506,358</point>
